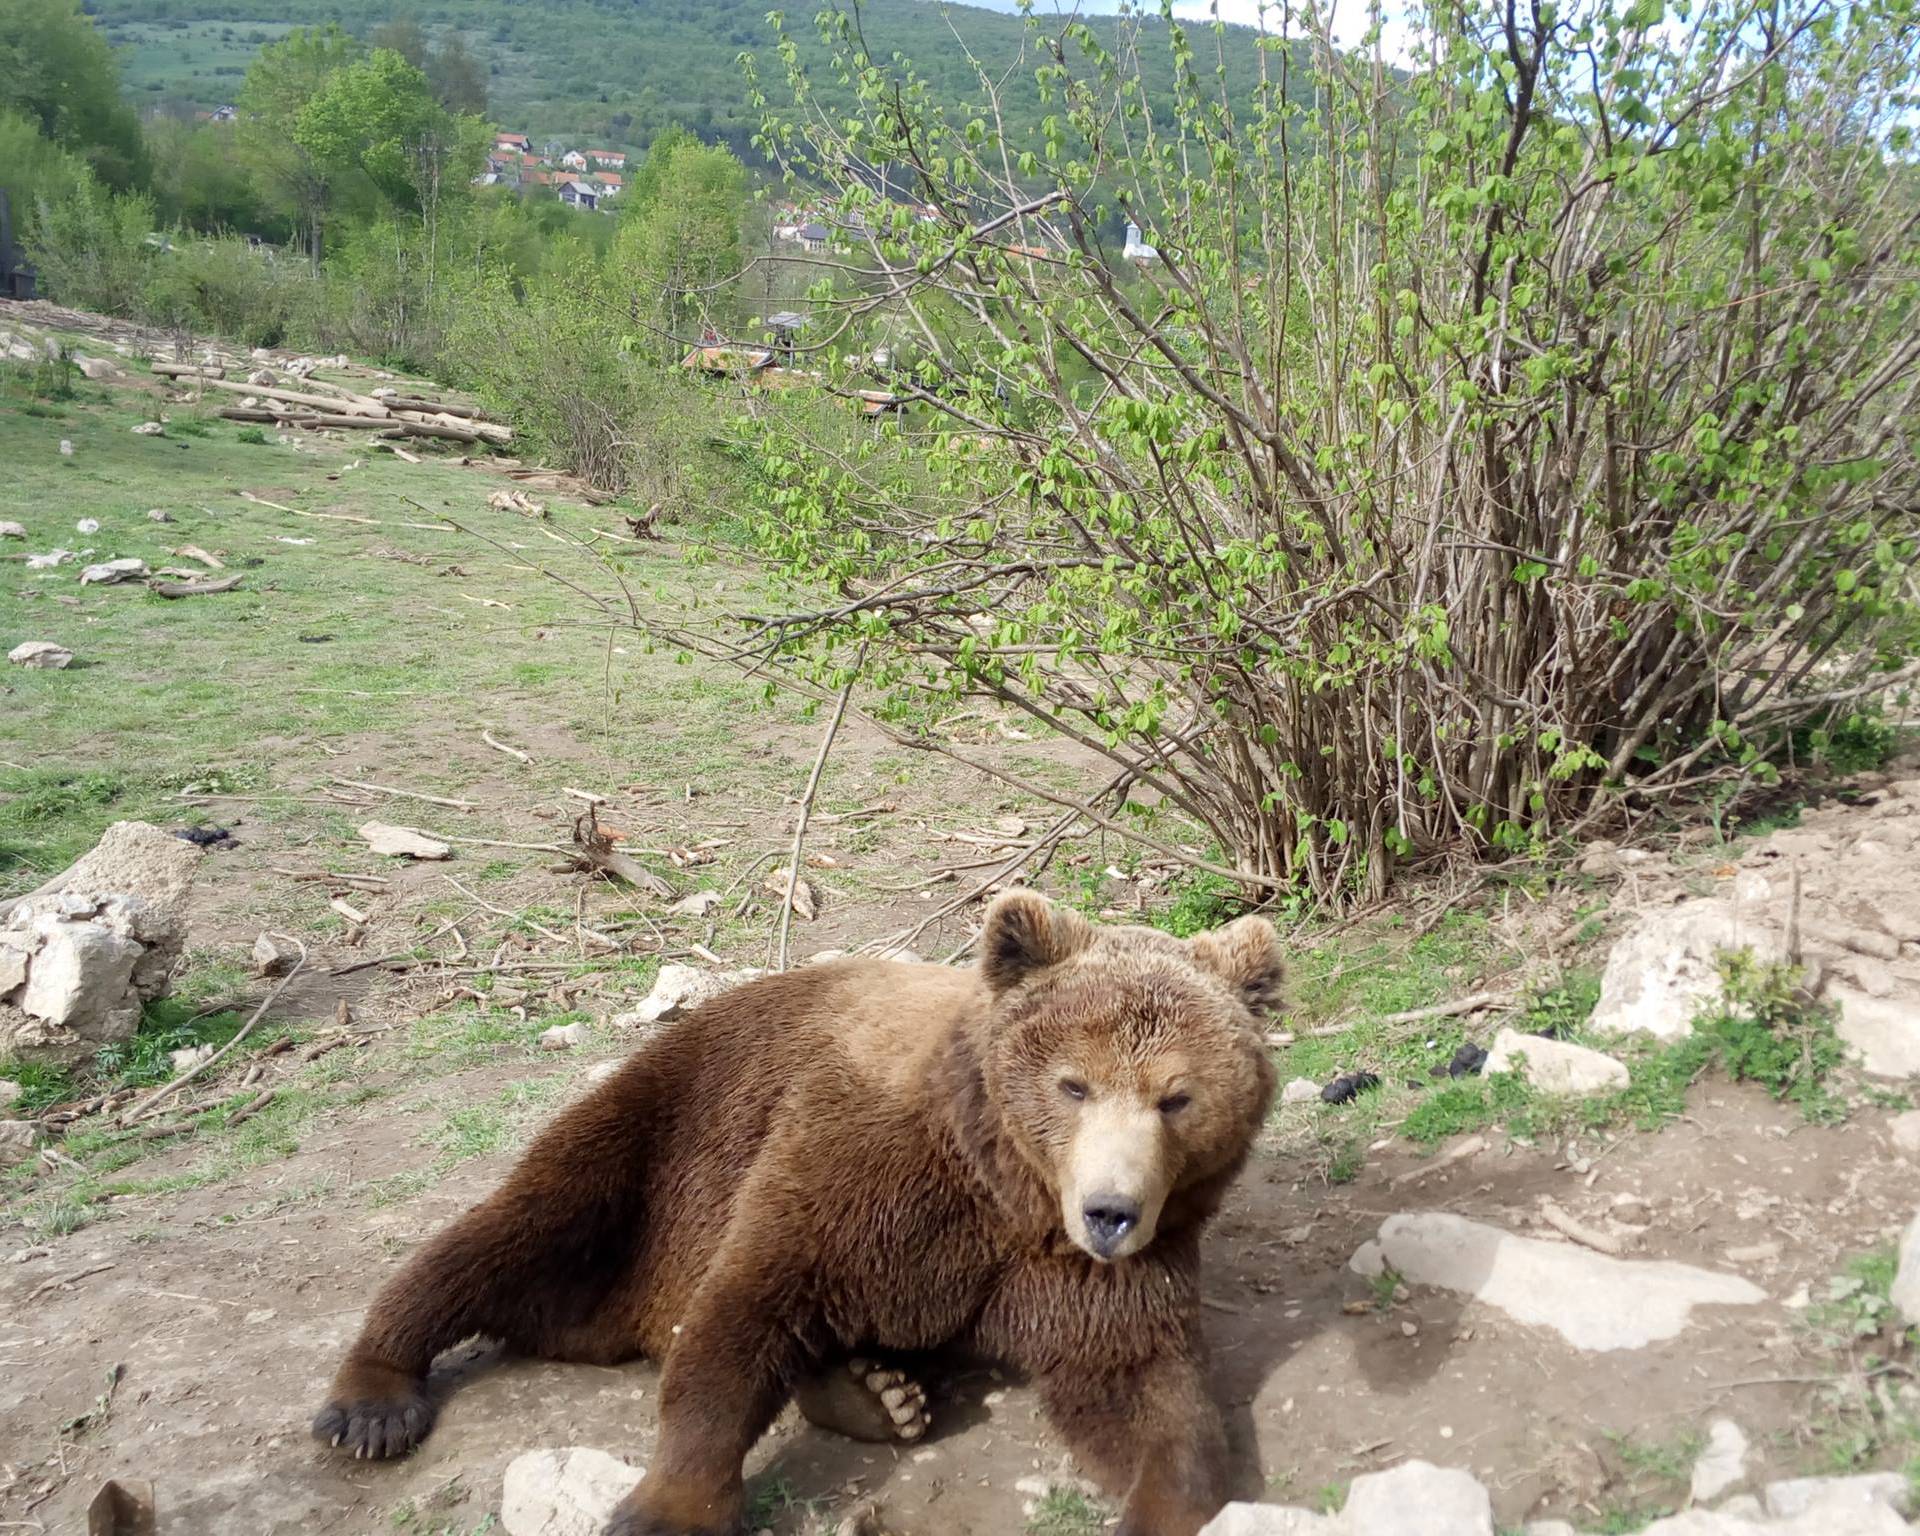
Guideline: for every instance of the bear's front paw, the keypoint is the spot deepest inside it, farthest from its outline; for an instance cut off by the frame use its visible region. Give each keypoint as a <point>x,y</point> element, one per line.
<point>375,1412</point>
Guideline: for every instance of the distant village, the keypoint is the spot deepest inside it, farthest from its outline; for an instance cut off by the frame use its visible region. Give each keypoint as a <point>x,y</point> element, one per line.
<point>589,179</point>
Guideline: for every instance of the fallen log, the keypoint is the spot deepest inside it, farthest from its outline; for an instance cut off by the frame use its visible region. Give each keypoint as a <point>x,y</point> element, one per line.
<point>186,370</point>
<point>430,407</point>
<point>360,404</point>
<point>308,419</point>
<point>193,588</point>
<point>478,432</point>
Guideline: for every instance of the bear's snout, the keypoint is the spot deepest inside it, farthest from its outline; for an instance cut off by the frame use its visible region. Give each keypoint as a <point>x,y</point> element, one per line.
<point>1109,1219</point>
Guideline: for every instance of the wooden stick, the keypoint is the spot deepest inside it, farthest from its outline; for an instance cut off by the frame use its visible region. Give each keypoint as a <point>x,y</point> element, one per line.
<point>194,588</point>
<point>328,877</point>
<point>1561,1222</point>
<point>806,810</point>
<point>440,407</point>
<point>408,794</point>
<point>501,746</point>
<point>360,405</point>
<point>1471,1003</point>
<point>146,1107</point>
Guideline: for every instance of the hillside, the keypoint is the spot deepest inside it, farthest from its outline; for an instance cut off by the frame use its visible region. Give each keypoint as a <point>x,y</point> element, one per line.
<point>615,70</point>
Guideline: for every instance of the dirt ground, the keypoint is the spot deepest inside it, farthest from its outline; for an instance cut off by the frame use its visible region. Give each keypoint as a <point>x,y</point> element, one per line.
<point>171,1310</point>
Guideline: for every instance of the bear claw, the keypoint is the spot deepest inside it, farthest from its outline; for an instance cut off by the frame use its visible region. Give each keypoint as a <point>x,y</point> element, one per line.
<point>374,1431</point>
<point>903,1398</point>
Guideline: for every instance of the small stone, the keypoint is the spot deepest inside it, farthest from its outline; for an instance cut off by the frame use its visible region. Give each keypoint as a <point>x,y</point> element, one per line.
<point>9,530</point>
<point>159,515</point>
<point>1791,1499</point>
<point>1556,1066</point>
<point>563,1491</point>
<point>1409,1330</point>
<point>109,572</point>
<point>273,956</point>
<point>1722,1464</point>
<point>1302,1090</point>
<point>66,448</point>
<point>87,525</point>
<point>1905,1294</point>
<point>1417,1498</point>
<point>403,842</point>
<point>564,1037</point>
<point>186,1059</point>
<point>1754,1253</point>
<point>16,1142</point>
<point>10,1094</point>
<point>148,429</point>
<point>41,655</point>
<point>49,560</point>
<point>679,989</point>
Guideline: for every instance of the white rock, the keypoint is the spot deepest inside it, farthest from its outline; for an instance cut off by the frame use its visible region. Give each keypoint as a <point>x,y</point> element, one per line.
<point>79,975</point>
<point>564,1037</point>
<point>1272,1520</point>
<point>187,1059</point>
<point>96,367</point>
<point>679,989</point>
<point>1884,1030</point>
<point>159,515</point>
<point>563,1491</point>
<point>66,448</point>
<point>1301,1090</point>
<point>10,1094</point>
<point>49,560</point>
<point>1594,1302</point>
<point>148,429</point>
<point>1722,1464</point>
<point>107,572</point>
<point>699,904</point>
<point>87,525</point>
<point>1417,1498</point>
<point>42,655</point>
<point>16,1142</point>
<point>1906,1281</point>
<point>403,842</point>
<point>1665,969</point>
<point>273,956</point>
<point>1795,1496</point>
<point>1555,1066</point>
<point>1904,1130</point>
<point>10,530</point>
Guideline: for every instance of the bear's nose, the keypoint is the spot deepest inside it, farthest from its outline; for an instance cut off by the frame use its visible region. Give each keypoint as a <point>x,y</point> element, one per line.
<point>1109,1219</point>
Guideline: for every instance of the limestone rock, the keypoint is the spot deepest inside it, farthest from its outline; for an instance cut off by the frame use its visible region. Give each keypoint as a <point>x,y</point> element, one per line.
<point>1722,1464</point>
<point>273,956</point>
<point>1665,969</point>
<point>563,1491</point>
<point>16,1142</point>
<point>44,655</point>
<point>1884,1030</point>
<point>679,989</point>
<point>1417,1498</point>
<point>107,572</point>
<point>1796,1496</point>
<point>78,972</point>
<point>49,560</point>
<point>1272,1520</point>
<point>1302,1090</point>
<point>1906,1280</point>
<point>11,530</point>
<point>564,1037</point>
<point>403,842</point>
<point>1594,1302</point>
<point>148,429</point>
<point>1905,1133</point>
<point>1555,1066</point>
<point>10,1094</point>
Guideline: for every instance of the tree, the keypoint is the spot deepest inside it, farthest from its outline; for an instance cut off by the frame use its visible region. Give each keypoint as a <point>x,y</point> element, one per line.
<point>404,36</point>
<point>679,241</point>
<point>57,69</point>
<point>1471,447</point>
<point>282,82</point>
<point>367,117</point>
<point>459,81</point>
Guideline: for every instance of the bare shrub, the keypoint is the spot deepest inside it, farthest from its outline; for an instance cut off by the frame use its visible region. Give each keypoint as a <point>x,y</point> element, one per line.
<point>1477,442</point>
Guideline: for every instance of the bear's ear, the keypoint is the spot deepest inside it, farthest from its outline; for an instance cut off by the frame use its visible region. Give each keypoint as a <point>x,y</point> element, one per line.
<point>1246,956</point>
<point>1026,933</point>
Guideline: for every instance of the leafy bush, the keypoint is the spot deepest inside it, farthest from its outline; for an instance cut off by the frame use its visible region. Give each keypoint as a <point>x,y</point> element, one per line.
<point>91,246</point>
<point>1463,447</point>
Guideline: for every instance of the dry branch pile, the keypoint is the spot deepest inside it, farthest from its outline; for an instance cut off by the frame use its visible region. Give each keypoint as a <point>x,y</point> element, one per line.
<point>321,405</point>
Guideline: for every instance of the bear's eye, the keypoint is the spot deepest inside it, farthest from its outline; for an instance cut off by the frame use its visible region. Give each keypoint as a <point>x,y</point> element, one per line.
<point>1073,1088</point>
<point>1173,1103</point>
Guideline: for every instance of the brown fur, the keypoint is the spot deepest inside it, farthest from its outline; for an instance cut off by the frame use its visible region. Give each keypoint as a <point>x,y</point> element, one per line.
<point>867,1156</point>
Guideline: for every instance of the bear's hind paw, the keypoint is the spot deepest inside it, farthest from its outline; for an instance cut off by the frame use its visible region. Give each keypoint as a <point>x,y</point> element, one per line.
<point>374,1428</point>
<point>868,1401</point>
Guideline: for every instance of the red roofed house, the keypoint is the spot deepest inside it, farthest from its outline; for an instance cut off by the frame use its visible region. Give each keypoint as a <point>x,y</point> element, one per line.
<point>517,141</point>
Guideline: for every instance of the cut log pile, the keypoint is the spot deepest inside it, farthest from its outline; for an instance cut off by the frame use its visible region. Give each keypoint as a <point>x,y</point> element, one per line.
<point>318,405</point>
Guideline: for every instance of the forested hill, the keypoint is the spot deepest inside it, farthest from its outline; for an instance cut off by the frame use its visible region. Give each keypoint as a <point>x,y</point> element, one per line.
<point>607,70</point>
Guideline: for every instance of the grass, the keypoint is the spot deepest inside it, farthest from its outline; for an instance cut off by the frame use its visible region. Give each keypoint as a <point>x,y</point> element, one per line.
<point>1065,1512</point>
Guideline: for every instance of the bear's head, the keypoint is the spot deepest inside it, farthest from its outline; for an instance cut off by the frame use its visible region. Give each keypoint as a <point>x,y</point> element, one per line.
<point>1126,1064</point>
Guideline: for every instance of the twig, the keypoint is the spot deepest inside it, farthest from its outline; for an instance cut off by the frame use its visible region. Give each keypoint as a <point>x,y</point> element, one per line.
<point>146,1107</point>
<point>252,1107</point>
<point>1561,1222</point>
<point>513,917</point>
<point>328,877</point>
<point>407,953</point>
<point>806,809</point>
<point>501,746</point>
<point>494,842</point>
<point>1473,1002</point>
<point>408,794</point>
<point>59,1282</point>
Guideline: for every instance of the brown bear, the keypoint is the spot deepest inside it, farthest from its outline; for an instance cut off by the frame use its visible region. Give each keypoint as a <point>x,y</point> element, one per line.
<point>860,1157</point>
